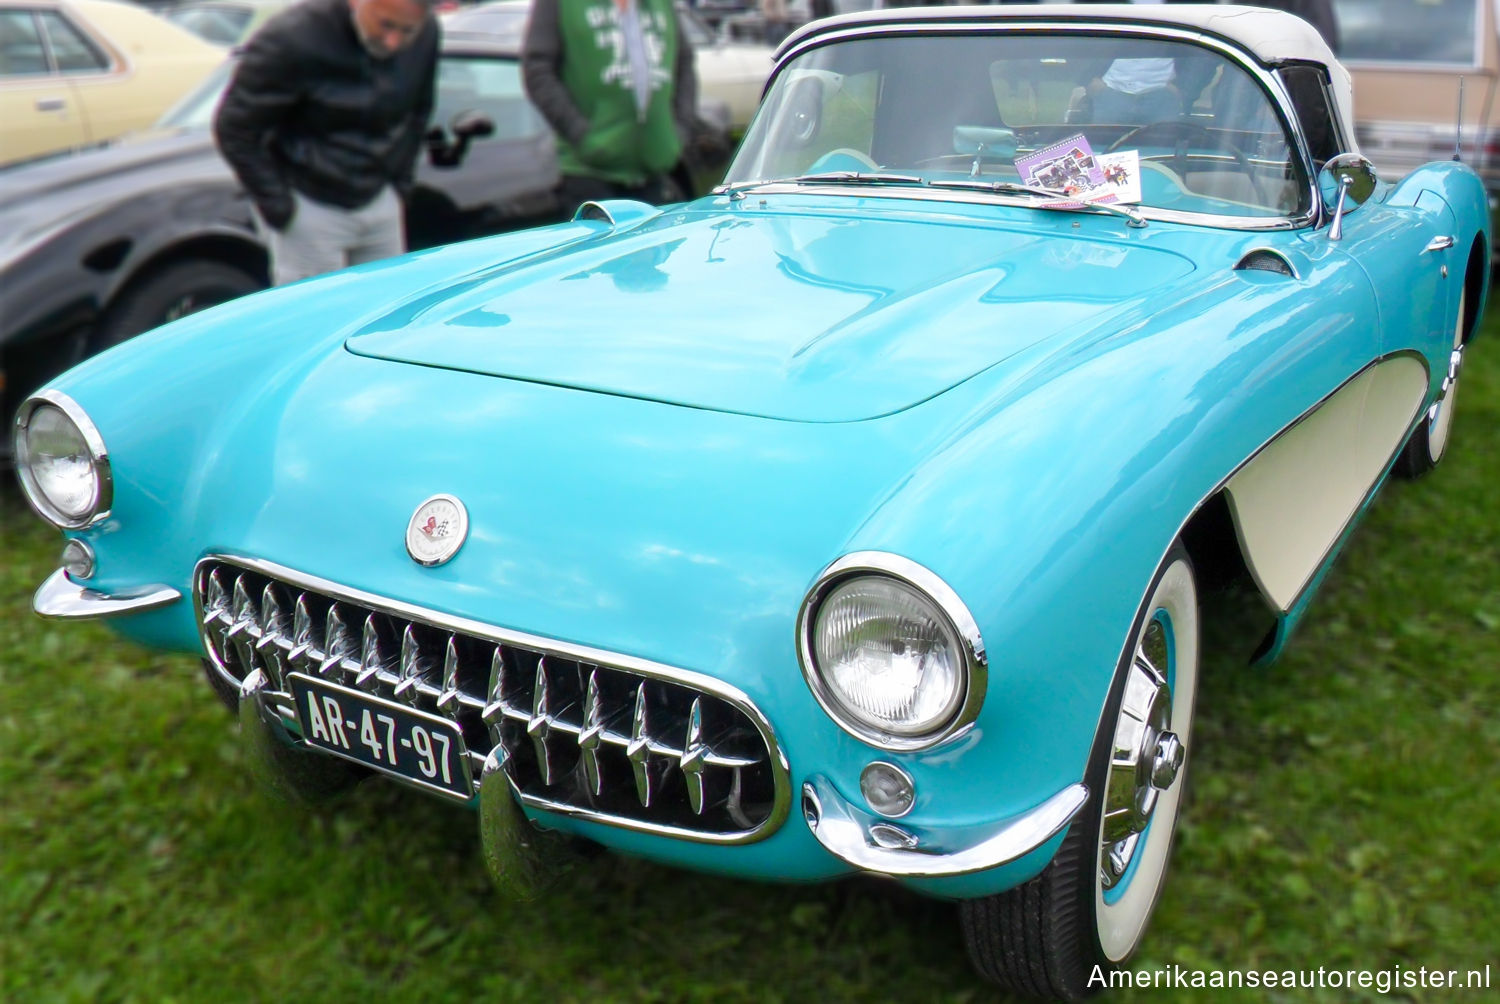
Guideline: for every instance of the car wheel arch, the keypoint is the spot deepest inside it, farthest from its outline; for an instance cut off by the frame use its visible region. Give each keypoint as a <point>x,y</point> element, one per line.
<point>1475,286</point>
<point>242,268</point>
<point>231,248</point>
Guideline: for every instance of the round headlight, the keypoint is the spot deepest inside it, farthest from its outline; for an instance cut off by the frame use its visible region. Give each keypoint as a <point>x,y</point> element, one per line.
<point>61,461</point>
<point>888,656</point>
<point>895,658</point>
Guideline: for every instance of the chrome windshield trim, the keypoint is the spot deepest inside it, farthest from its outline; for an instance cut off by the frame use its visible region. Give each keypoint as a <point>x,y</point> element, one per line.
<point>104,494</point>
<point>1247,224</point>
<point>929,584</point>
<point>780,766</point>
<point>874,844</point>
<point>60,598</point>
<point>1019,24</point>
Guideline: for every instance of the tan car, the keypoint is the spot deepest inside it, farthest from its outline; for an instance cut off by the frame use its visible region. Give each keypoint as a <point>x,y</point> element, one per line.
<point>78,71</point>
<point>1407,57</point>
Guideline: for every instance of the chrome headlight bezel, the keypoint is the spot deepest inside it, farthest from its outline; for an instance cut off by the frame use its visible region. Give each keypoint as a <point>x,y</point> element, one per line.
<point>98,455</point>
<point>975,665</point>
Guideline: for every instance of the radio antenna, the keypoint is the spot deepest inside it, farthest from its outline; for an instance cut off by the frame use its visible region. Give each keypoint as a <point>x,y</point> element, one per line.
<point>1458,132</point>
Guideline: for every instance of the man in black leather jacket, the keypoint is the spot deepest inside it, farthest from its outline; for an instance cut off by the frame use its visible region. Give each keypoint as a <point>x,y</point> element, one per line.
<point>323,123</point>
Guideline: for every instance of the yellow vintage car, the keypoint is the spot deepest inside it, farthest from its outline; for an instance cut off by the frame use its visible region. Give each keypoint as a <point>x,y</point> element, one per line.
<point>79,71</point>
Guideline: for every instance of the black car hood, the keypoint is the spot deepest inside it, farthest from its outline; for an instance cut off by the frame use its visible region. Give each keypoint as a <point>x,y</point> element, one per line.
<point>39,194</point>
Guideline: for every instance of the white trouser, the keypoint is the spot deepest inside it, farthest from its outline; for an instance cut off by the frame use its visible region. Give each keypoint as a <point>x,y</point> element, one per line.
<point>323,238</point>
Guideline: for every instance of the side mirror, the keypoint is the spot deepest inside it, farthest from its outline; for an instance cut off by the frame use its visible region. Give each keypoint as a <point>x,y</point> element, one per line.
<point>464,126</point>
<point>1346,182</point>
<point>471,124</point>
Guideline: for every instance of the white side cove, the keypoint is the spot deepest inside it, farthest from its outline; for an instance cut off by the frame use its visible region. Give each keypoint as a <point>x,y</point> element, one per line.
<point>1292,500</point>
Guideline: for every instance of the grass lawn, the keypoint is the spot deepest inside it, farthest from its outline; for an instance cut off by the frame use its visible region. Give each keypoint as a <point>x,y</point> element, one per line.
<point>1344,813</point>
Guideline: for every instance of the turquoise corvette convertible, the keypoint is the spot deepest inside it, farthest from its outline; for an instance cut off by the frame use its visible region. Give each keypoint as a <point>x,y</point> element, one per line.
<point>851,519</point>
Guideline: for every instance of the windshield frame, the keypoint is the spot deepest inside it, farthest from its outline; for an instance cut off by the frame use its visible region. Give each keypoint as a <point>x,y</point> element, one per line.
<point>1263,75</point>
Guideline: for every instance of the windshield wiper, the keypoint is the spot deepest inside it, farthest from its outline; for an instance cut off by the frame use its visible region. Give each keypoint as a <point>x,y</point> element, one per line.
<point>738,189</point>
<point>858,178</point>
<point>1015,188</point>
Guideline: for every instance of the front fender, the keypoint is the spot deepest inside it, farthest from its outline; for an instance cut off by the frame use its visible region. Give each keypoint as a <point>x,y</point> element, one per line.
<point>1061,499</point>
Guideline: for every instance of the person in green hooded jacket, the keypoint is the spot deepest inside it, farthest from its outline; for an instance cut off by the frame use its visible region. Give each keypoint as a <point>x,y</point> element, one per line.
<point>615,80</point>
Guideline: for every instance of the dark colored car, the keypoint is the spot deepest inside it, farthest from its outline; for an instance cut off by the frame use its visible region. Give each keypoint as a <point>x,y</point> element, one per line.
<point>98,246</point>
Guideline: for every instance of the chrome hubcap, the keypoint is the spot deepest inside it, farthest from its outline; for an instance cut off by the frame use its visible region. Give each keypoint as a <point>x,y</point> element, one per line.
<point>1146,757</point>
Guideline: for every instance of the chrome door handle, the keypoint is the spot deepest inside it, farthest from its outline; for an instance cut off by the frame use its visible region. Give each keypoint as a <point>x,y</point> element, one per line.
<point>1438,244</point>
<point>51,104</point>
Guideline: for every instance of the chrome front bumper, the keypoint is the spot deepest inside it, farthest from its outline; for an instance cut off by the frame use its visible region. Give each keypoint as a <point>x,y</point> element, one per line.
<point>63,599</point>
<point>874,844</point>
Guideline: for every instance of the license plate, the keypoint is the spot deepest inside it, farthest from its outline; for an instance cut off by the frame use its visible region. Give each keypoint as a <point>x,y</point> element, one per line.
<point>424,749</point>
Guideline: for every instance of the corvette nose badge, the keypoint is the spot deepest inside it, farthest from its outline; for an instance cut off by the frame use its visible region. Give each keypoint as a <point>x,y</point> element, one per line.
<point>437,530</point>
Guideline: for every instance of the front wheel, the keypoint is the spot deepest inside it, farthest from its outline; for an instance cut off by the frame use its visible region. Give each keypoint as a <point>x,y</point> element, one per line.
<point>1087,912</point>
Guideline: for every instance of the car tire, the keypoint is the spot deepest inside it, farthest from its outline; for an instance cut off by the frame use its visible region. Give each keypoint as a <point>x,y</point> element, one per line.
<point>1055,936</point>
<point>1428,444</point>
<point>174,291</point>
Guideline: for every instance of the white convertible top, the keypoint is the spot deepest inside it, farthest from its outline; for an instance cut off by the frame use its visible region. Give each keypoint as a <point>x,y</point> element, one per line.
<point>1270,36</point>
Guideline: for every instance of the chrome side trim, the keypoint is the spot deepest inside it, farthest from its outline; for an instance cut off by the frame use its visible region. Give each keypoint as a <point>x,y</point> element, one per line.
<point>98,456</point>
<point>979,24</point>
<point>61,598</point>
<point>872,844</point>
<point>934,588</point>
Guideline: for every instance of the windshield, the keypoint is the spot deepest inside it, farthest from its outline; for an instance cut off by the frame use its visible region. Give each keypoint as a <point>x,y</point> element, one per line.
<point>196,110</point>
<point>218,23</point>
<point>1164,124</point>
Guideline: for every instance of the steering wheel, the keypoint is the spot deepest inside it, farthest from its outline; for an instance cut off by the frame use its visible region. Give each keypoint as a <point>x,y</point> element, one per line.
<point>1183,132</point>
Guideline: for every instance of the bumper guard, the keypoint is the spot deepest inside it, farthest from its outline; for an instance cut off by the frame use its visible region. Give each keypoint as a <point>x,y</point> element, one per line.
<point>61,598</point>
<point>874,844</point>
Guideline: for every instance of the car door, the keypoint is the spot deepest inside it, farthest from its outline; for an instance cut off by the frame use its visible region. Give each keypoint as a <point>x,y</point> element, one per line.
<point>39,110</point>
<point>1399,242</point>
<point>107,106</point>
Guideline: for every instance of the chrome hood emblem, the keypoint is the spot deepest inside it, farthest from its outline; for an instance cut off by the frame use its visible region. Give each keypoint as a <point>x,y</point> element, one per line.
<point>437,530</point>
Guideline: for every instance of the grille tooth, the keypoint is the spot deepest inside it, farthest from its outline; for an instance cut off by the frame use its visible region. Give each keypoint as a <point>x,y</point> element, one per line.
<point>302,631</point>
<point>273,631</point>
<point>245,628</point>
<point>415,669</point>
<point>642,748</point>
<point>242,610</point>
<point>592,732</point>
<point>339,644</point>
<point>539,726</point>
<point>735,803</point>
<point>639,749</point>
<point>494,708</point>
<point>215,616</point>
<point>371,659</point>
<point>694,751</point>
<point>216,603</point>
<point>448,698</point>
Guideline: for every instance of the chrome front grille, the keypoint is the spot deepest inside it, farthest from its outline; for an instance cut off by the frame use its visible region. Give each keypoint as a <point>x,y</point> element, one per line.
<point>583,733</point>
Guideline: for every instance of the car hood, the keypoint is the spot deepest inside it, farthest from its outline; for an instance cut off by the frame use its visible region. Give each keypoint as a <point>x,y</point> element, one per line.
<point>37,195</point>
<point>794,316</point>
